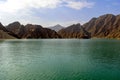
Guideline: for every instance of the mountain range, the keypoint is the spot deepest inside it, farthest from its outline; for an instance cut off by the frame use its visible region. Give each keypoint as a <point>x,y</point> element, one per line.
<point>105,26</point>
<point>31,31</point>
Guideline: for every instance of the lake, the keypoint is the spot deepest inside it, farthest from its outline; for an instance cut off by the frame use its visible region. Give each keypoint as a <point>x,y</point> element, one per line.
<point>60,59</point>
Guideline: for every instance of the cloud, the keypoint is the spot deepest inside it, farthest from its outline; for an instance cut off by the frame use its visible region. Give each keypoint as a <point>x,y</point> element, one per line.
<point>16,5</point>
<point>80,5</point>
<point>21,10</point>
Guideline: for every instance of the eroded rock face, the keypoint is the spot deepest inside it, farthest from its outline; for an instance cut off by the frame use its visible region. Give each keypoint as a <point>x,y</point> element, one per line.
<point>31,31</point>
<point>106,26</point>
<point>74,31</point>
<point>5,34</point>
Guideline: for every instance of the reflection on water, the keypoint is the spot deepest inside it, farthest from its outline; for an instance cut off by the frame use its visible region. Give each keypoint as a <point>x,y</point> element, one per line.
<point>54,59</point>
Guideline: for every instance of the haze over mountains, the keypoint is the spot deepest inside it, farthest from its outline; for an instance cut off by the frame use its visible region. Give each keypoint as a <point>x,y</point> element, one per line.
<point>105,26</point>
<point>56,27</point>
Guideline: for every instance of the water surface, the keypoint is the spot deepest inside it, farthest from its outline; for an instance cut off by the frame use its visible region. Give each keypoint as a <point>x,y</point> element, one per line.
<point>60,59</point>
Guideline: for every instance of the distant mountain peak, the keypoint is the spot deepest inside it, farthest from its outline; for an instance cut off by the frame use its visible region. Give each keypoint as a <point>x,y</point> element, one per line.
<point>56,27</point>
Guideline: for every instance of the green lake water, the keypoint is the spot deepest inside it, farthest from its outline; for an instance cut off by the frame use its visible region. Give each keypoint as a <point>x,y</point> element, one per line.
<point>60,59</point>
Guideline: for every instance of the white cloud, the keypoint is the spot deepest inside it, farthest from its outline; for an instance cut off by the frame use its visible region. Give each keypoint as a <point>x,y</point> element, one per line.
<point>20,10</point>
<point>80,5</point>
<point>16,5</point>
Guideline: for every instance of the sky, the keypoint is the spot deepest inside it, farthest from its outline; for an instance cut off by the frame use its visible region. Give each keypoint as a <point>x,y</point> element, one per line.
<point>51,12</point>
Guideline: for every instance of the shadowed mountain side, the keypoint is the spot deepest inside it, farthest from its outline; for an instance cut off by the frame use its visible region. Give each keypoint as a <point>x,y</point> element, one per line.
<point>31,31</point>
<point>5,34</point>
<point>37,31</point>
<point>16,28</point>
<point>74,31</point>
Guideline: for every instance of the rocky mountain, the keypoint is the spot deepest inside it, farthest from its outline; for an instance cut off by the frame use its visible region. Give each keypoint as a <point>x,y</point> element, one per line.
<point>31,31</point>
<point>15,28</point>
<point>5,34</point>
<point>56,27</point>
<point>37,31</point>
<point>105,26</point>
<point>74,31</point>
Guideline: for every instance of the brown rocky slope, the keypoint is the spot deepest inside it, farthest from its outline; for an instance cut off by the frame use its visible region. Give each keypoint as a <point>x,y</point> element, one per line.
<point>105,26</point>
<point>74,31</point>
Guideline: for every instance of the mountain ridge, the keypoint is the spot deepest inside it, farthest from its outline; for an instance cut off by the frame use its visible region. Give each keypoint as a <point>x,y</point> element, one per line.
<point>31,31</point>
<point>74,31</point>
<point>104,26</point>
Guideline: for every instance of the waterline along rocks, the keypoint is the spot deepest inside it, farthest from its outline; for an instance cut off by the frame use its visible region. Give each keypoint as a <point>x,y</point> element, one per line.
<point>105,26</point>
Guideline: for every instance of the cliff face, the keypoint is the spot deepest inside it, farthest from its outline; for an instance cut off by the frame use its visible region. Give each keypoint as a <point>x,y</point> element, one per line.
<point>5,34</point>
<point>31,31</point>
<point>106,26</point>
<point>74,31</point>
